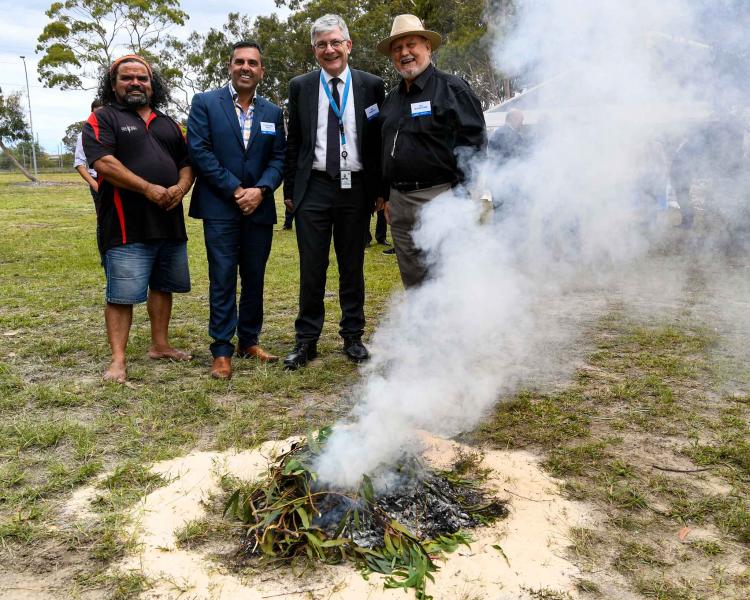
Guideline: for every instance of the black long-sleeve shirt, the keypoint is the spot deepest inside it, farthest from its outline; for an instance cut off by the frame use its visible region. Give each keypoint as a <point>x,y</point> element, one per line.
<point>423,128</point>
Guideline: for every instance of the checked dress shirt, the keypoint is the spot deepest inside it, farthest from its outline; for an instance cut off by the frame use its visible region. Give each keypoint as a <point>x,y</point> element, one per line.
<point>245,118</point>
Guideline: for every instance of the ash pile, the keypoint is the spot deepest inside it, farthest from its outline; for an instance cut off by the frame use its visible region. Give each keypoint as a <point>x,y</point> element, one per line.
<point>428,503</point>
<point>421,515</point>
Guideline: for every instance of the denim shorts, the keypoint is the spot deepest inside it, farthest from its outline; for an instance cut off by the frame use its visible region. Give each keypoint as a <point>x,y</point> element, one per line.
<point>134,268</point>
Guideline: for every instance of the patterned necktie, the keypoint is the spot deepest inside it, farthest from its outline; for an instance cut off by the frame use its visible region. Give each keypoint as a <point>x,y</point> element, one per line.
<point>333,156</point>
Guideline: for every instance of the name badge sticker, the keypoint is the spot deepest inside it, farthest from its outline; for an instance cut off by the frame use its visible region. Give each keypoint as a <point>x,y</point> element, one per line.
<point>372,111</point>
<point>267,128</point>
<point>421,109</point>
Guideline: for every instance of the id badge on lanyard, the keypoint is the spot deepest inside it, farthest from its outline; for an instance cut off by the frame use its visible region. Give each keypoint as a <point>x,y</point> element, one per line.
<point>346,180</point>
<point>346,175</point>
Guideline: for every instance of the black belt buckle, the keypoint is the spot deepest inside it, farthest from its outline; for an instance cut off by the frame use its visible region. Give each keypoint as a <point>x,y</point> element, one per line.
<point>412,186</point>
<point>325,175</point>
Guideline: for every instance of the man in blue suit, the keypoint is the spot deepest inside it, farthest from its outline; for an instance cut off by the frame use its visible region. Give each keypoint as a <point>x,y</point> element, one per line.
<point>237,145</point>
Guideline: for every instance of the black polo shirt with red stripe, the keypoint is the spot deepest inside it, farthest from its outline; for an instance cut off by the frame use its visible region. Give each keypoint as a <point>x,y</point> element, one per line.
<point>154,150</point>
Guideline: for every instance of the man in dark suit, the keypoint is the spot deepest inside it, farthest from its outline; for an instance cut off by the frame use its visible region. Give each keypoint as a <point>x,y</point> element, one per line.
<point>236,142</point>
<point>332,183</point>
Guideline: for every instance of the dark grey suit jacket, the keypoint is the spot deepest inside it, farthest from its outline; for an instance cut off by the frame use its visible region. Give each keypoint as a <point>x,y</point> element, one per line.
<point>303,123</point>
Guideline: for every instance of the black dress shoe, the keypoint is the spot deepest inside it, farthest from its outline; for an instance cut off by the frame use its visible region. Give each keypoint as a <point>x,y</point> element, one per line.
<point>355,350</point>
<point>303,353</point>
<point>390,251</point>
<point>384,242</point>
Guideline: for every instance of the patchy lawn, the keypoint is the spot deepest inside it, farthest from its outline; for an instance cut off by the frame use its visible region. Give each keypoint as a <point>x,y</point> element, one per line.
<point>647,434</point>
<point>651,429</point>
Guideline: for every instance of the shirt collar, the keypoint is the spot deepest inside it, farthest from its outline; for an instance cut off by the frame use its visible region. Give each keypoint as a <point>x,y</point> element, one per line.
<point>233,93</point>
<point>343,77</point>
<point>421,81</point>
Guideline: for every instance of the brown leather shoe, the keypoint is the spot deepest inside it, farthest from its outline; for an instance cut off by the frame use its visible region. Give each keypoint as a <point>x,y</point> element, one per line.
<point>222,368</point>
<point>256,352</point>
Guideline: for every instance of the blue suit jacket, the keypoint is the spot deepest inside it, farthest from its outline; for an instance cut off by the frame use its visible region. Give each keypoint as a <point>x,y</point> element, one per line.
<point>221,161</point>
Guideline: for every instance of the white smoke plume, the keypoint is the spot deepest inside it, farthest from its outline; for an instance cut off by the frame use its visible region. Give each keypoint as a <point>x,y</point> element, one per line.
<point>623,76</point>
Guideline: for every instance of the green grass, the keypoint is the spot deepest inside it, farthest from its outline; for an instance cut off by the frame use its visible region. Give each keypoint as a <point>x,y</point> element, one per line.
<point>199,531</point>
<point>654,391</point>
<point>60,426</point>
<point>644,402</point>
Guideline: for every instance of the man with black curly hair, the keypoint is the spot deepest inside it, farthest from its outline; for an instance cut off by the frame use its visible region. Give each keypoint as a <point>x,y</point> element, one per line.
<point>141,159</point>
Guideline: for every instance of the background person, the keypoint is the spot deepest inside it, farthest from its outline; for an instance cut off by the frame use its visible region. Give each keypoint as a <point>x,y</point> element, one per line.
<point>381,229</point>
<point>507,143</point>
<point>81,165</point>
<point>88,174</point>
<point>713,151</point>
<point>288,219</point>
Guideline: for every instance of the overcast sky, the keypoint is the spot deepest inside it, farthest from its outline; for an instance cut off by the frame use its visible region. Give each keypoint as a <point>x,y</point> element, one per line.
<point>52,109</point>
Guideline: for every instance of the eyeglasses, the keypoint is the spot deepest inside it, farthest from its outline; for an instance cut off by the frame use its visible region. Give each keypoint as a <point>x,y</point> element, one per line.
<point>335,44</point>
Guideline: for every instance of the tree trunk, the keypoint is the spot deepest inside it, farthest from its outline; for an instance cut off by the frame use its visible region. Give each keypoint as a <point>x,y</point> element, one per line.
<point>13,159</point>
<point>507,92</point>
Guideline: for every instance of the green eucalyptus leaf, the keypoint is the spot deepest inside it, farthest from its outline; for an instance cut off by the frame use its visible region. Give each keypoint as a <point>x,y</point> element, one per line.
<point>368,491</point>
<point>303,517</point>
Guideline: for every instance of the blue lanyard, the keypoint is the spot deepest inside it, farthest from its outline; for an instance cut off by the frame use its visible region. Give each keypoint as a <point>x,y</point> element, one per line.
<point>339,112</point>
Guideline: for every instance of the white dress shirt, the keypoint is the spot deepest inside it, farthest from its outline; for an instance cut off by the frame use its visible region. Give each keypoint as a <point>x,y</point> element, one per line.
<point>352,162</point>
<point>79,158</point>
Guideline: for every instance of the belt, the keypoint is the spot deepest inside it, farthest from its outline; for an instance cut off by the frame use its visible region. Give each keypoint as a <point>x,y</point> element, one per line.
<point>326,176</point>
<point>413,186</point>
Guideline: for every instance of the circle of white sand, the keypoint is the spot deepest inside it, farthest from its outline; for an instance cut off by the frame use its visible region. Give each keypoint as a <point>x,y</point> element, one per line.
<point>532,538</point>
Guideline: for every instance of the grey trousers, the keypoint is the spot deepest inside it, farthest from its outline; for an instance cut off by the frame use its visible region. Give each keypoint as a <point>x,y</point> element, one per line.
<point>404,208</point>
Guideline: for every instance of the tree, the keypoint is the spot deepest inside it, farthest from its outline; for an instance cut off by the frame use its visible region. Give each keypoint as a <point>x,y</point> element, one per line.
<point>200,63</point>
<point>286,43</point>
<point>85,33</point>
<point>464,25</point>
<point>468,30</point>
<point>369,21</point>
<point>85,36</point>
<point>71,136</point>
<point>13,128</point>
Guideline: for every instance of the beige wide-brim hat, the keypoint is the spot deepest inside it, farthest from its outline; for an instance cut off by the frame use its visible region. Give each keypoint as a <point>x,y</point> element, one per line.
<point>408,25</point>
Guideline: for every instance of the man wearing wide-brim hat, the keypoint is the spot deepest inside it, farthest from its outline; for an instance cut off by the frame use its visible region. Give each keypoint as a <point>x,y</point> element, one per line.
<point>431,122</point>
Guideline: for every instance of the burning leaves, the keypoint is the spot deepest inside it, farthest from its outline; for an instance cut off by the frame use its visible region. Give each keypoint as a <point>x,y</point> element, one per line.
<point>399,533</point>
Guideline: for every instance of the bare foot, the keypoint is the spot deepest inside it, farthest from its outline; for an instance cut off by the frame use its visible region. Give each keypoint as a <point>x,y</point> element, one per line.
<point>115,372</point>
<point>168,352</point>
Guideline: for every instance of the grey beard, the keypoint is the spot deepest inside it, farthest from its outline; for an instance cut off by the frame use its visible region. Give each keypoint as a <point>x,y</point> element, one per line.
<point>413,72</point>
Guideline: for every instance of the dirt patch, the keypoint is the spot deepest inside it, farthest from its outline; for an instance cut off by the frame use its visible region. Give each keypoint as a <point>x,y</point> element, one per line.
<point>45,184</point>
<point>29,586</point>
<point>43,573</point>
<point>508,560</point>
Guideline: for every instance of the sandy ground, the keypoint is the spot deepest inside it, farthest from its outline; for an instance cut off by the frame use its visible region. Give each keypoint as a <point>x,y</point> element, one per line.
<point>532,537</point>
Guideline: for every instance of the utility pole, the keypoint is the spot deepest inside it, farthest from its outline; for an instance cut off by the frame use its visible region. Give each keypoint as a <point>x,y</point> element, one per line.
<point>31,122</point>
